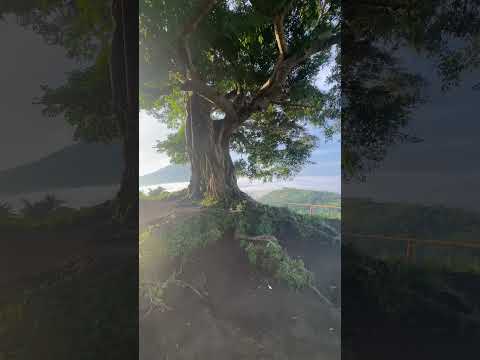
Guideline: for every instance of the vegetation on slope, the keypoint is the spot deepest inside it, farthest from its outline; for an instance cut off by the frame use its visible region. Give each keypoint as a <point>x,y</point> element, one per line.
<point>255,227</point>
<point>50,213</point>
<point>300,196</point>
<point>293,198</point>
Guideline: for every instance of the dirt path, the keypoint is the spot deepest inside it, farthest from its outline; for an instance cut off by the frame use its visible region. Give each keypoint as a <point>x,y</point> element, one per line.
<point>152,211</point>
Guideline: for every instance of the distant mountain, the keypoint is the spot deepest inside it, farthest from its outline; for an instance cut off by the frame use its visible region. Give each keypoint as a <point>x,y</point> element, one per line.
<point>168,174</point>
<point>300,196</point>
<point>73,166</point>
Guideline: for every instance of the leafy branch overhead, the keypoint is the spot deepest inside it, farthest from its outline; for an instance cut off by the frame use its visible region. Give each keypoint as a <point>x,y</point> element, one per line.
<point>84,30</point>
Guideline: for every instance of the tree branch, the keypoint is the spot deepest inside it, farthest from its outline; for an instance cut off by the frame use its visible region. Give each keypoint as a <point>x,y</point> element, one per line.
<point>278,26</point>
<point>272,88</point>
<point>191,26</point>
<point>195,83</point>
<point>193,23</point>
<point>323,41</point>
<point>213,96</point>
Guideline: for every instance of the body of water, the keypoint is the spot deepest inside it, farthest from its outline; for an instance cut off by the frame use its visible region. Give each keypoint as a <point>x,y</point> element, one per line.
<point>92,195</point>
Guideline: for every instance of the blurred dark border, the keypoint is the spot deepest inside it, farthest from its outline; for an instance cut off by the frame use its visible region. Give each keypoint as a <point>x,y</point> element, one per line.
<point>69,180</point>
<point>410,213</point>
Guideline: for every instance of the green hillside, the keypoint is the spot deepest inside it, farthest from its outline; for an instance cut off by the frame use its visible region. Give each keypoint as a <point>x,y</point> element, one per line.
<point>300,196</point>
<point>293,198</point>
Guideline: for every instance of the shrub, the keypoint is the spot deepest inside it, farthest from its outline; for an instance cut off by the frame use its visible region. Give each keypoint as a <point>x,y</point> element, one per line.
<point>197,231</point>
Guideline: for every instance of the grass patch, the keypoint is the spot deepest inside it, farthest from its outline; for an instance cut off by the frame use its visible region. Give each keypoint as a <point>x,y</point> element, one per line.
<point>154,194</point>
<point>197,231</point>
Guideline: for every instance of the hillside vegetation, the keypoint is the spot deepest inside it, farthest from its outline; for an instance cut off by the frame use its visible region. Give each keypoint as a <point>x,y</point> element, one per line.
<point>294,197</point>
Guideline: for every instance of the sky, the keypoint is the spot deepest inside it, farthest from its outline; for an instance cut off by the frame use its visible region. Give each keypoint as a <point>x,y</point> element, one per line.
<point>29,135</point>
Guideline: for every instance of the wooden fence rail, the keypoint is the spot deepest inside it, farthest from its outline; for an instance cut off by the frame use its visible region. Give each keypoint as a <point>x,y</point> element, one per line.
<point>311,207</point>
<point>412,243</point>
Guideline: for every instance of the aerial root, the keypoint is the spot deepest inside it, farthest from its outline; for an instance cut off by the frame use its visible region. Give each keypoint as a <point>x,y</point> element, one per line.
<point>271,238</point>
<point>321,296</point>
<point>266,238</point>
<point>184,285</point>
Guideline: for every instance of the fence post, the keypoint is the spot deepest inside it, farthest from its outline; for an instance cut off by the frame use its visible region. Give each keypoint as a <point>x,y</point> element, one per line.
<point>311,210</point>
<point>408,251</point>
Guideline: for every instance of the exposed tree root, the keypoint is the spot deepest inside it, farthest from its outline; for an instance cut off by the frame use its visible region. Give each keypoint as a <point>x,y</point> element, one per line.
<point>158,303</point>
<point>321,296</point>
<point>271,238</point>
<point>266,238</point>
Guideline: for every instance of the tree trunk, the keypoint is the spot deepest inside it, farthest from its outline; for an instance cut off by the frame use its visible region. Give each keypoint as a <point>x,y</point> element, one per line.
<point>208,142</point>
<point>124,82</point>
<point>127,197</point>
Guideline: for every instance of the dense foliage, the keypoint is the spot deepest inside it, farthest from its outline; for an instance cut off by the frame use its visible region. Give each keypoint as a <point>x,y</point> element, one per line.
<point>84,29</point>
<point>256,62</point>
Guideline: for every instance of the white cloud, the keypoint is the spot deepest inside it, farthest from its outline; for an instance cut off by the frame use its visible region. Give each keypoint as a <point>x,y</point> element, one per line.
<point>151,130</point>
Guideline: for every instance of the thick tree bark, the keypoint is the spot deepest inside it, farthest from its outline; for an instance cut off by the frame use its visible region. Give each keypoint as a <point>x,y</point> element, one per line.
<point>213,173</point>
<point>124,79</point>
<point>127,197</point>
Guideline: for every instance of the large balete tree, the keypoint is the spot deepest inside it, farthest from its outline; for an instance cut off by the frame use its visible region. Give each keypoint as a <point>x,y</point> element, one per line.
<point>100,98</point>
<point>238,75</point>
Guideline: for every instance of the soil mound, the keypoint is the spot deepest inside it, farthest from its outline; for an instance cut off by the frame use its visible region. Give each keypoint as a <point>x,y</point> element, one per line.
<point>221,307</point>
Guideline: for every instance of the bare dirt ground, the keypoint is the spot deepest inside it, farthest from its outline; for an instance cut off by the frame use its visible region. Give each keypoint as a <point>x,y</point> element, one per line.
<point>152,212</point>
<point>231,311</point>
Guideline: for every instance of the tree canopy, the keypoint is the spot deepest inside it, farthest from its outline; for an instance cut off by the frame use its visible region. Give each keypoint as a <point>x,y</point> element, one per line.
<point>255,62</point>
